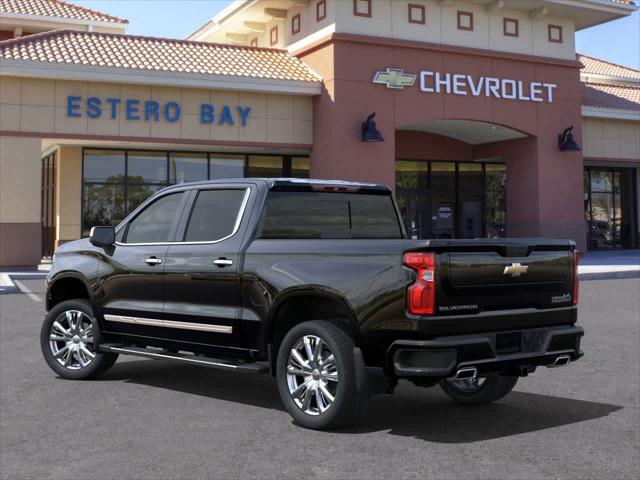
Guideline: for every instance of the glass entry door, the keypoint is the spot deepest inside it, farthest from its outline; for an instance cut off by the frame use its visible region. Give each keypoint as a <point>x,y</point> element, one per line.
<point>47,205</point>
<point>451,199</point>
<point>610,207</point>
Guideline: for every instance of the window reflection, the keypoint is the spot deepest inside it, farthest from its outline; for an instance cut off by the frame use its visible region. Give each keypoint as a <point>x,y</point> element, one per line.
<point>115,182</point>
<point>187,167</point>
<point>226,166</point>
<point>451,199</point>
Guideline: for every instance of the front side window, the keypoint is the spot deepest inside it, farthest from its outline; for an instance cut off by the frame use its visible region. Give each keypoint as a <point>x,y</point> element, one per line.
<point>328,215</point>
<point>214,215</point>
<point>155,223</point>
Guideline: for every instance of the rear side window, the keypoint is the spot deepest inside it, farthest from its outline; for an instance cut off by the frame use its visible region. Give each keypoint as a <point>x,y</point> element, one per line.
<point>214,215</point>
<point>155,223</point>
<point>329,215</point>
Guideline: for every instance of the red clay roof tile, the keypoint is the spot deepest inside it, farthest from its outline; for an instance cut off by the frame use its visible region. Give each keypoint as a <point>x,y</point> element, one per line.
<point>159,54</point>
<point>611,96</point>
<point>56,8</point>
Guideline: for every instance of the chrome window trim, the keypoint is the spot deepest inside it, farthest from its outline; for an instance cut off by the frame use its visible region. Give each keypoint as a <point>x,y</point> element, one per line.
<point>152,322</point>
<point>236,226</point>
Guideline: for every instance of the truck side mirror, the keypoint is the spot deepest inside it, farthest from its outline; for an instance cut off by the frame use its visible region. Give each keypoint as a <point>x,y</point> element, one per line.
<point>102,236</point>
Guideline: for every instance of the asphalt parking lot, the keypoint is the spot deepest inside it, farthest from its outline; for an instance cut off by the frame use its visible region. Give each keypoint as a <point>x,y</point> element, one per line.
<point>155,419</point>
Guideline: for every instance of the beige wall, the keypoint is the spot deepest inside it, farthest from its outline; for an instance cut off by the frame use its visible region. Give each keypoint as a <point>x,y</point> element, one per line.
<point>68,193</point>
<point>34,105</point>
<point>19,200</point>
<point>608,138</point>
<point>19,179</point>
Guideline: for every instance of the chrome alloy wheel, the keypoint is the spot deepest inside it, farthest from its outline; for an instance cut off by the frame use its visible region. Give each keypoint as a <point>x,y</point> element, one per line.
<point>468,385</point>
<point>71,340</point>
<point>312,375</point>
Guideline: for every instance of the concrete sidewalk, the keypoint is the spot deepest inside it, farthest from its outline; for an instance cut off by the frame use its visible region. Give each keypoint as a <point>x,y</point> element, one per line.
<point>622,262</point>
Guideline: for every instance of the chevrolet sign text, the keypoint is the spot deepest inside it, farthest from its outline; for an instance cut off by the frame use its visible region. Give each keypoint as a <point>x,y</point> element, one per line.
<point>459,84</point>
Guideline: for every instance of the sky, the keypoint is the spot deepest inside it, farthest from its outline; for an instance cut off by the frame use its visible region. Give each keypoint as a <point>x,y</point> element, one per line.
<point>617,42</point>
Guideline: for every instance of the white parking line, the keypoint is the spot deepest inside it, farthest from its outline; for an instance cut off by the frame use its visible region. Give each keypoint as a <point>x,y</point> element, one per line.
<point>26,291</point>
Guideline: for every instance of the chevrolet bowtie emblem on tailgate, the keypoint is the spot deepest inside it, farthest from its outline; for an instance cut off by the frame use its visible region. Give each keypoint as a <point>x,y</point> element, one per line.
<point>515,269</point>
<point>395,78</point>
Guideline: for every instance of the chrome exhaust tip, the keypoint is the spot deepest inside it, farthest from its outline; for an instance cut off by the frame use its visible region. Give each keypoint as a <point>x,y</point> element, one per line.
<point>467,373</point>
<point>560,361</point>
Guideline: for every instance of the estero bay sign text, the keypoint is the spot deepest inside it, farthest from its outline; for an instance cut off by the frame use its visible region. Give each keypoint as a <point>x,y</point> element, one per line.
<point>153,111</point>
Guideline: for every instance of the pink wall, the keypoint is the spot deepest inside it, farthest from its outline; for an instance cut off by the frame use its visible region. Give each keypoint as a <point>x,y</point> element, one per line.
<point>544,185</point>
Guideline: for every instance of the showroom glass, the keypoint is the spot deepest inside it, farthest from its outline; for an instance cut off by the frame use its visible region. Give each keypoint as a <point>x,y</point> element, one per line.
<point>413,197</point>
<point>300,167</point>
<point>115,182</point>
<point>610,207</point>
<point>226,166</point>
<point>322,215</point>
<point>214,215</point>
<point>154,224</point>
<point>264,166</point>
<point>187,167</point>
<point>451,199</point>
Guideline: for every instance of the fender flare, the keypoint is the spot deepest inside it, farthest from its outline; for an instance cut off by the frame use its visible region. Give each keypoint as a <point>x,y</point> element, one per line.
<point>319,291</point>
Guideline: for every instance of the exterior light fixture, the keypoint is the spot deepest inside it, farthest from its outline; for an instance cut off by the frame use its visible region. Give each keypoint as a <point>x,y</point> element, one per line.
<point>370,132</point>
<point>566,143</point>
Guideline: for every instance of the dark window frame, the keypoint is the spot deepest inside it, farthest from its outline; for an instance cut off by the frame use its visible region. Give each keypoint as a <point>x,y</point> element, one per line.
<point>367,14</point>
<point>273,40</point>
<point>295,24</point>
<point>321,5</point>
<point>551,27</point>
<point>422,9</point>
<point>515,22</point>
<point>462,13</point>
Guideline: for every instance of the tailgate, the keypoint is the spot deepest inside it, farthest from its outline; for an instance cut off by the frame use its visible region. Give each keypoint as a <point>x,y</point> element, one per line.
<point>477,276</point>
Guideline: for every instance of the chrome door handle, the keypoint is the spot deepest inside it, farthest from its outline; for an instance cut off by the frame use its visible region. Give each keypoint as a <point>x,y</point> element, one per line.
<point>153,261</point>
<point>223,262</point>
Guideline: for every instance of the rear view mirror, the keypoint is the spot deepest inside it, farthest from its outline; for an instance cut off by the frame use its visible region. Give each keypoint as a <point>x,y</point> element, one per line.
<point>102,236</point>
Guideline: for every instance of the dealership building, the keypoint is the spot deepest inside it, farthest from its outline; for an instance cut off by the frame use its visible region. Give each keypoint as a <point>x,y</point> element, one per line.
<point>487,122</point>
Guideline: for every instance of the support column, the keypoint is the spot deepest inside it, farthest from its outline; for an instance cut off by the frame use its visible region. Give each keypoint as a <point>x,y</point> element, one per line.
<point>20,228</point>
<point>68,194</point>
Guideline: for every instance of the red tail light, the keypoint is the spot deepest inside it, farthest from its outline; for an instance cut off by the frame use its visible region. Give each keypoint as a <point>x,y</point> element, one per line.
<point>421,295</point>
<point>576,285</point>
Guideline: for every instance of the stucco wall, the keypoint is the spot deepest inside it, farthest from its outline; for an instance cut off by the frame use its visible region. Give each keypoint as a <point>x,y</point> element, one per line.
<point>40,106</point>
<point>19,200</point>
<point>611,139</point>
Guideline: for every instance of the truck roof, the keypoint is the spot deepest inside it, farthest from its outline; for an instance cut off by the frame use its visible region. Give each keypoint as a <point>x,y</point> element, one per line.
<point>296,184</point>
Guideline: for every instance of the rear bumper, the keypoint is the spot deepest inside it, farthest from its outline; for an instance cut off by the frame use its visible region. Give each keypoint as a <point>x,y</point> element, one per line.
<point>513,352</point>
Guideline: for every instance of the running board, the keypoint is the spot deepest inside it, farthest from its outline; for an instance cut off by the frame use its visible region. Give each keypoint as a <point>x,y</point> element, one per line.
<point>200,360</point>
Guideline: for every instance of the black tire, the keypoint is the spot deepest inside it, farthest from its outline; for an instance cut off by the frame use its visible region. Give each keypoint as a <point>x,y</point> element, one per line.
<point>76,370</point>
<point>493,388</point>
<point>348,401</point>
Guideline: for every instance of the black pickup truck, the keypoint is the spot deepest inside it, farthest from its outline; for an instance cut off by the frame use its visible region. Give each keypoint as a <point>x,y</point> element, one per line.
<point>315,283</point>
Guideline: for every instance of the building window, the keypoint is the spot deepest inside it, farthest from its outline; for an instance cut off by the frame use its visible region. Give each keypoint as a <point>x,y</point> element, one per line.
<point>465,20</point>
<point>254,42</point>
<point>510,27</point>
<point>295,24</point>
<point>555,33</point>
<point>362,8</point>
<point>417,14</point>
<point>114,182</point>
<point>273,35</point>
<point>321,10</point>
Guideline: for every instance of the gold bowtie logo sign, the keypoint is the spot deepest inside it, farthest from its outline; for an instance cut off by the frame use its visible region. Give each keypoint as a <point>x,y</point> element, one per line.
<point>395,78</point>
<point>515,269</point>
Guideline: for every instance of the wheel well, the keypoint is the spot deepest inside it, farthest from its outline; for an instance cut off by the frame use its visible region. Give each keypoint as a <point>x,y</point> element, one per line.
<point>305,308</point>
<point>66,289</point>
